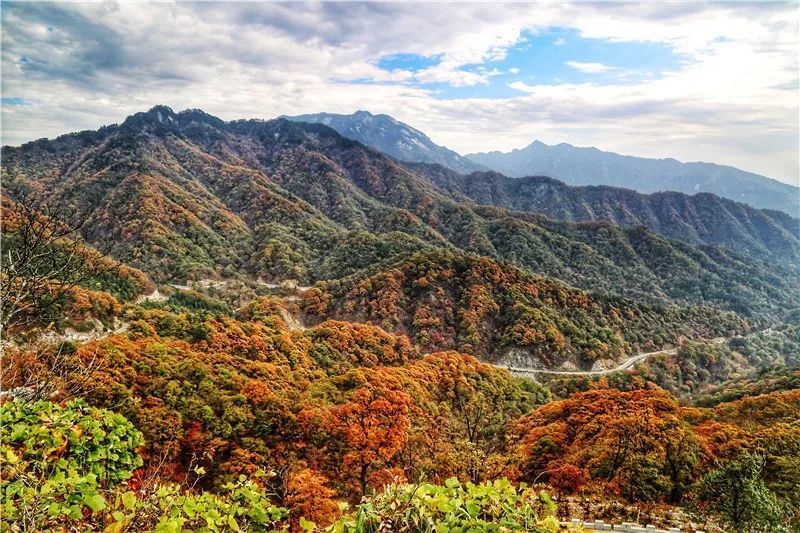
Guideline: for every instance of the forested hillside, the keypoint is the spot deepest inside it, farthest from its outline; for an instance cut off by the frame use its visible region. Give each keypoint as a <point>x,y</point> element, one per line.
<point>475,305</point>
<point>701,218</point>
<point>709,372</point>
<point>190,196</point>
<point>340,410</point>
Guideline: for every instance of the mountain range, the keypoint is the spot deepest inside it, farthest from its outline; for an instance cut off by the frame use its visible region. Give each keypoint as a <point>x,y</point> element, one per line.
<point>570,164</point>
<point>699,218</point>
<point>189,196</point>
<point>391,137</point>
<point>590,166</point>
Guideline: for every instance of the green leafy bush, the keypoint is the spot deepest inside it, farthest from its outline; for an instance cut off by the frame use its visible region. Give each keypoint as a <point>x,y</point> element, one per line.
<point>738,494</point>
<point>452,507</point>
<point>59,461</point>
<point>66,467</point>
<point>242,506</point>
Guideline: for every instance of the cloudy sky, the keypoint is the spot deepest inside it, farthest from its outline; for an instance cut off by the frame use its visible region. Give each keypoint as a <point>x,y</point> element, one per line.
<point>696,81</point>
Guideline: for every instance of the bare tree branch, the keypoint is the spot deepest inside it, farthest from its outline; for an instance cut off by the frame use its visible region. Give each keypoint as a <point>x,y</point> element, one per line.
<point>42,258</point>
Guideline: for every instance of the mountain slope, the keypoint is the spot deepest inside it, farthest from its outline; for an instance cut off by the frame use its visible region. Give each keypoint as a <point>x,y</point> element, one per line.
<point>446,301</point>
<point>391,137</point>
<point>191,196</point>
<point>701,218</point>
<point>590,166</point>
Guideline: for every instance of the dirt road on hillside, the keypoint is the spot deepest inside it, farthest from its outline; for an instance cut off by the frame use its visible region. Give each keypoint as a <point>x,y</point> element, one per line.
<point>628,363</point>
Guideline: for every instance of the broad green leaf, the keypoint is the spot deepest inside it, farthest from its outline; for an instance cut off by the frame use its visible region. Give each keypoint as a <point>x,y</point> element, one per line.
<point>129,500</point>
<point>95,502</point>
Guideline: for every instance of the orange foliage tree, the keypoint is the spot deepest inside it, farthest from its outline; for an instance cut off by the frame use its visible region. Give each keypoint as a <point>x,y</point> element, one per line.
<point>635,442</point>
<point>374,426</point>
<point>308,495</point>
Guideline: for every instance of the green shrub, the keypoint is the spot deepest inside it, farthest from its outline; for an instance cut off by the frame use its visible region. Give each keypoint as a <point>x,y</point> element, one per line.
<point>452,507</point>
<point>738,494</point>
<point>65,468</point>
<point>59,461</point>
<point>242,506</point>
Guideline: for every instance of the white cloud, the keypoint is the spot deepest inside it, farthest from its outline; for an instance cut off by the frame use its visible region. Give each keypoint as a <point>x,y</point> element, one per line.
<point>513,70</point>
<point>559,41</point>
<point>522,86</point>
<point>733,101</point>
<point>589,68</point>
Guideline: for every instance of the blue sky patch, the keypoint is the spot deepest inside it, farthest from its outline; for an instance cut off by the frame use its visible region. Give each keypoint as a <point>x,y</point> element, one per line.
<point>411,62</point>
<point>544,58</point>
<point>549,57</point>
<point>14,100</point>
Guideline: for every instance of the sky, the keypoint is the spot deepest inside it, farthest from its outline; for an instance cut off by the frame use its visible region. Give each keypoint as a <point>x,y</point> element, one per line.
<point>711,82</point>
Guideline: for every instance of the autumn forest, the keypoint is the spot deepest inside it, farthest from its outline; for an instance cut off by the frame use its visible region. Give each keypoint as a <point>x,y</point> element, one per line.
<point>266,326</point>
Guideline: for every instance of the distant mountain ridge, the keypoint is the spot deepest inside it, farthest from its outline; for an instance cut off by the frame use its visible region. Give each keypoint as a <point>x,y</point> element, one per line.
<point>570,164</point>
<point>699,218</point>
<point>391,137</point>
<point>590,166</point>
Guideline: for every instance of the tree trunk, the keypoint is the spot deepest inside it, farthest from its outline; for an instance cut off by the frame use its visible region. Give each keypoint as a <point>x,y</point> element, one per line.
<point>363,478</point>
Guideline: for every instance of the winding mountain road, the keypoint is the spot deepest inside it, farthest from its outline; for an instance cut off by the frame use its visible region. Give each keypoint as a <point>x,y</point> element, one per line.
<point>297,325</point>
<point>628,363</point>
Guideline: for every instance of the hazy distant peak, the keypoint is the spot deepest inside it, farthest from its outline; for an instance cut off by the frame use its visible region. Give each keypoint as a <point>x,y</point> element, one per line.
<point>392,137</point>
<point>592,166</point>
